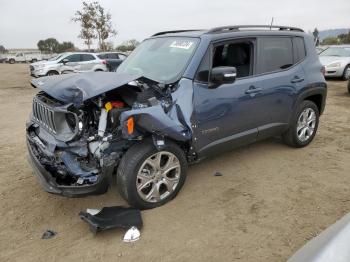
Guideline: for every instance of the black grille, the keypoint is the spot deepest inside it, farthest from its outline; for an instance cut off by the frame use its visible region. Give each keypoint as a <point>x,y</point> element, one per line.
<point>44,115</point>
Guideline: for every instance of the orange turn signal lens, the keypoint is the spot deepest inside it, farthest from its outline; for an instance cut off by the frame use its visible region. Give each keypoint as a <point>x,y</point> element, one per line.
<point>130,125</point>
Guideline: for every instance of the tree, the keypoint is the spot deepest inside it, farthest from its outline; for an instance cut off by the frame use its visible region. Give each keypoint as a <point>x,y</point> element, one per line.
<point>86,19</point>
<point>50,45</point>
<point>316,35</point>
<point>330,41</point>
<point>65,47</point>
<point>107,46</point>
<point>128,46</point>
<point>344,38</point>
<point>102,24</point>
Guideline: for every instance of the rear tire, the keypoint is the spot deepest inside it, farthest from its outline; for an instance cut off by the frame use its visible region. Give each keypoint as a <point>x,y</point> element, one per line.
<point>303,126</point>
<point>12,61</point>
<point>144,186</point>
<point>346,74</point>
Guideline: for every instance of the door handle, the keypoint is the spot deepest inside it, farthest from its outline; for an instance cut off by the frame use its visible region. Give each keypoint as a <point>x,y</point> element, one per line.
<point>253,90</point>
<point>297,79</point>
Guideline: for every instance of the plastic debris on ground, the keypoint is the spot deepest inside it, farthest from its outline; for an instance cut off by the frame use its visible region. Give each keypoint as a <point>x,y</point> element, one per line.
<point>132,235</point>
<point>218,174</point>
<point>48,234</point>
<point>112,217</point>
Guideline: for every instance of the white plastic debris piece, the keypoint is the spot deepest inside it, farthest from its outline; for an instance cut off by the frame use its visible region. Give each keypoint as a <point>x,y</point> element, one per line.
<point>132,235</point>
<point>92,211</point>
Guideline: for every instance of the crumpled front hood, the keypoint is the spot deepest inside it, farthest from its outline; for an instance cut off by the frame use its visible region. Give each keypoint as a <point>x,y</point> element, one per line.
<point>77,88</point>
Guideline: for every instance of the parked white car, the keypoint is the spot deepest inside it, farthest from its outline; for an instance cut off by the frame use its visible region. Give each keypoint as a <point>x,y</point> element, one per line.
<point>24,57</point>
<point>68,63</point>
<point>336,60</point>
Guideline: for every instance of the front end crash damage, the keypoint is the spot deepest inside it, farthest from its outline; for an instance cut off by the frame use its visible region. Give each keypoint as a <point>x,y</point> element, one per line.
<point>81,126</point>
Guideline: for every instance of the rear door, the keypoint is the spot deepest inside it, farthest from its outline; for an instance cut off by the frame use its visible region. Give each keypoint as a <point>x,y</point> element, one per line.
<point>87,63</point>
<point>278,75</point>
<point>73,64</point>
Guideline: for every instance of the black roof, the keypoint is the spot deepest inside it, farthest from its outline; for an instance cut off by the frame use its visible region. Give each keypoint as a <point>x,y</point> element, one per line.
<point>236,30</point>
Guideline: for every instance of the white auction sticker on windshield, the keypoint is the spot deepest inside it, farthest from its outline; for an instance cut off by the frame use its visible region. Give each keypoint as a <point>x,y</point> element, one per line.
<point>184,44</point>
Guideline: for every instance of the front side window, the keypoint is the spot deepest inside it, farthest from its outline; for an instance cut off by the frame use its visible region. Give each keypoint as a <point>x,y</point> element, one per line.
<point>161,59</point>
<point>73,58</point>
<point>236,54</point>
<point>274,54</point>
<point>337,51</point>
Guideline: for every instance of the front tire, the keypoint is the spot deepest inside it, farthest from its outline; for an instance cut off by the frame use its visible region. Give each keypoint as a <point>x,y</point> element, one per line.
<point>148,178</point>
<point>52,73</point>
<point>303,126</point>
<point>346,74</point>
<point>349,87</point>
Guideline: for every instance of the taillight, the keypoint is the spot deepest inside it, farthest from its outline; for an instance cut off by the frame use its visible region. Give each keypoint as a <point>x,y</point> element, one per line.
<point>323,70</point>
<point>104,62</point>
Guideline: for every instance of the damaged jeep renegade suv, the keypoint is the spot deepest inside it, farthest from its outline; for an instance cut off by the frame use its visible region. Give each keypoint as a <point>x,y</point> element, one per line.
<point>180,97</point>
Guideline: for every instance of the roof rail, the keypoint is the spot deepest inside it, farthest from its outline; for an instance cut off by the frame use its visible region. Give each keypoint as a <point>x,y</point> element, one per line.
<point>238,27</point>
<point>175,31</point>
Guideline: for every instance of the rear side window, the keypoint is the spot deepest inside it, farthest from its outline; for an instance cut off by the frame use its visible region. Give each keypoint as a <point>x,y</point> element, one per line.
<point>298,49</point>
<point>274,54</point>
<point>87,57</point>
<point>113,56</point>
<point>102,56</point>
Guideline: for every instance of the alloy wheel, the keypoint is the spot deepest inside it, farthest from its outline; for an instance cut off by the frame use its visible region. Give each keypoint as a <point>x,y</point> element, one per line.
<point>158,176</point>
<point>306,124</point>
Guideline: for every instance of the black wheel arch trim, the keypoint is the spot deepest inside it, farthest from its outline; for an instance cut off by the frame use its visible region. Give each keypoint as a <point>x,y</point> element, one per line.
<point>312,90</point>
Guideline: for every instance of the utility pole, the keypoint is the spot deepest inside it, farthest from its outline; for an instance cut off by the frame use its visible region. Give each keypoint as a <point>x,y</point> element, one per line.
<point>271,23</point>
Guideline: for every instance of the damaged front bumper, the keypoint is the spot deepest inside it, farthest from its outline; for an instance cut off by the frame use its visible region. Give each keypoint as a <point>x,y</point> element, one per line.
<point>98,185</point>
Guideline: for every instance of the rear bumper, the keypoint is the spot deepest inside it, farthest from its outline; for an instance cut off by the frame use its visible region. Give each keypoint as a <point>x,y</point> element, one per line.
<point>49,184</point>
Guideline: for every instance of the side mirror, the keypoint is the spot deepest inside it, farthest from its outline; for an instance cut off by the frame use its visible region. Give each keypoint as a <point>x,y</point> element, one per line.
<point>223,75</point>
<point>65,61</point>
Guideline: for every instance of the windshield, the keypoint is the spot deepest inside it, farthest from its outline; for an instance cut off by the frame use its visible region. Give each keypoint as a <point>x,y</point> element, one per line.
<point>161,59</point>
<point>337,51</point>
<point>55,58</point>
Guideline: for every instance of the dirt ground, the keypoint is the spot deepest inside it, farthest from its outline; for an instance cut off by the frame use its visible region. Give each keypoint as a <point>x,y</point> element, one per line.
<point>269,202</point>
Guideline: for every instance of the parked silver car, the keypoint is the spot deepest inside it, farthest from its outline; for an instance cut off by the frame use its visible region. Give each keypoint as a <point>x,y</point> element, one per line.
<point>336,60</point>
<point>68,63</point>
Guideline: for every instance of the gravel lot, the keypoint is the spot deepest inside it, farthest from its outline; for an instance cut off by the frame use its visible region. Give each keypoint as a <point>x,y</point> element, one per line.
<point>269,202</point>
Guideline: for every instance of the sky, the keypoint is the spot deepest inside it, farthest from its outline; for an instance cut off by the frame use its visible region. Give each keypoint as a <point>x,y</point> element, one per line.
<point>23,23</point>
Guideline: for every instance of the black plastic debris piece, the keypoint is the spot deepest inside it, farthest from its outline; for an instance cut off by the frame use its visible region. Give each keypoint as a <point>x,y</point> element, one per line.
<point>113,217</point>
<point>218,174</point>
<point>48,234</point>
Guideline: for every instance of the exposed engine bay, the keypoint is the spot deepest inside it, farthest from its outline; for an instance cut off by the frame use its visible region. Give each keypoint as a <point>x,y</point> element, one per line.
<point>80,140</point>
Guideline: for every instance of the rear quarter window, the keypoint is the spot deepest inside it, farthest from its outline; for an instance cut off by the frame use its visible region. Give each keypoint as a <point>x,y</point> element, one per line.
<point>298,49</point>
<point>274,54</point>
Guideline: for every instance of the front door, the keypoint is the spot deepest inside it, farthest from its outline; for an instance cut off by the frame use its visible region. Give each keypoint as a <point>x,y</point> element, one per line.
<point>225,114</point>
